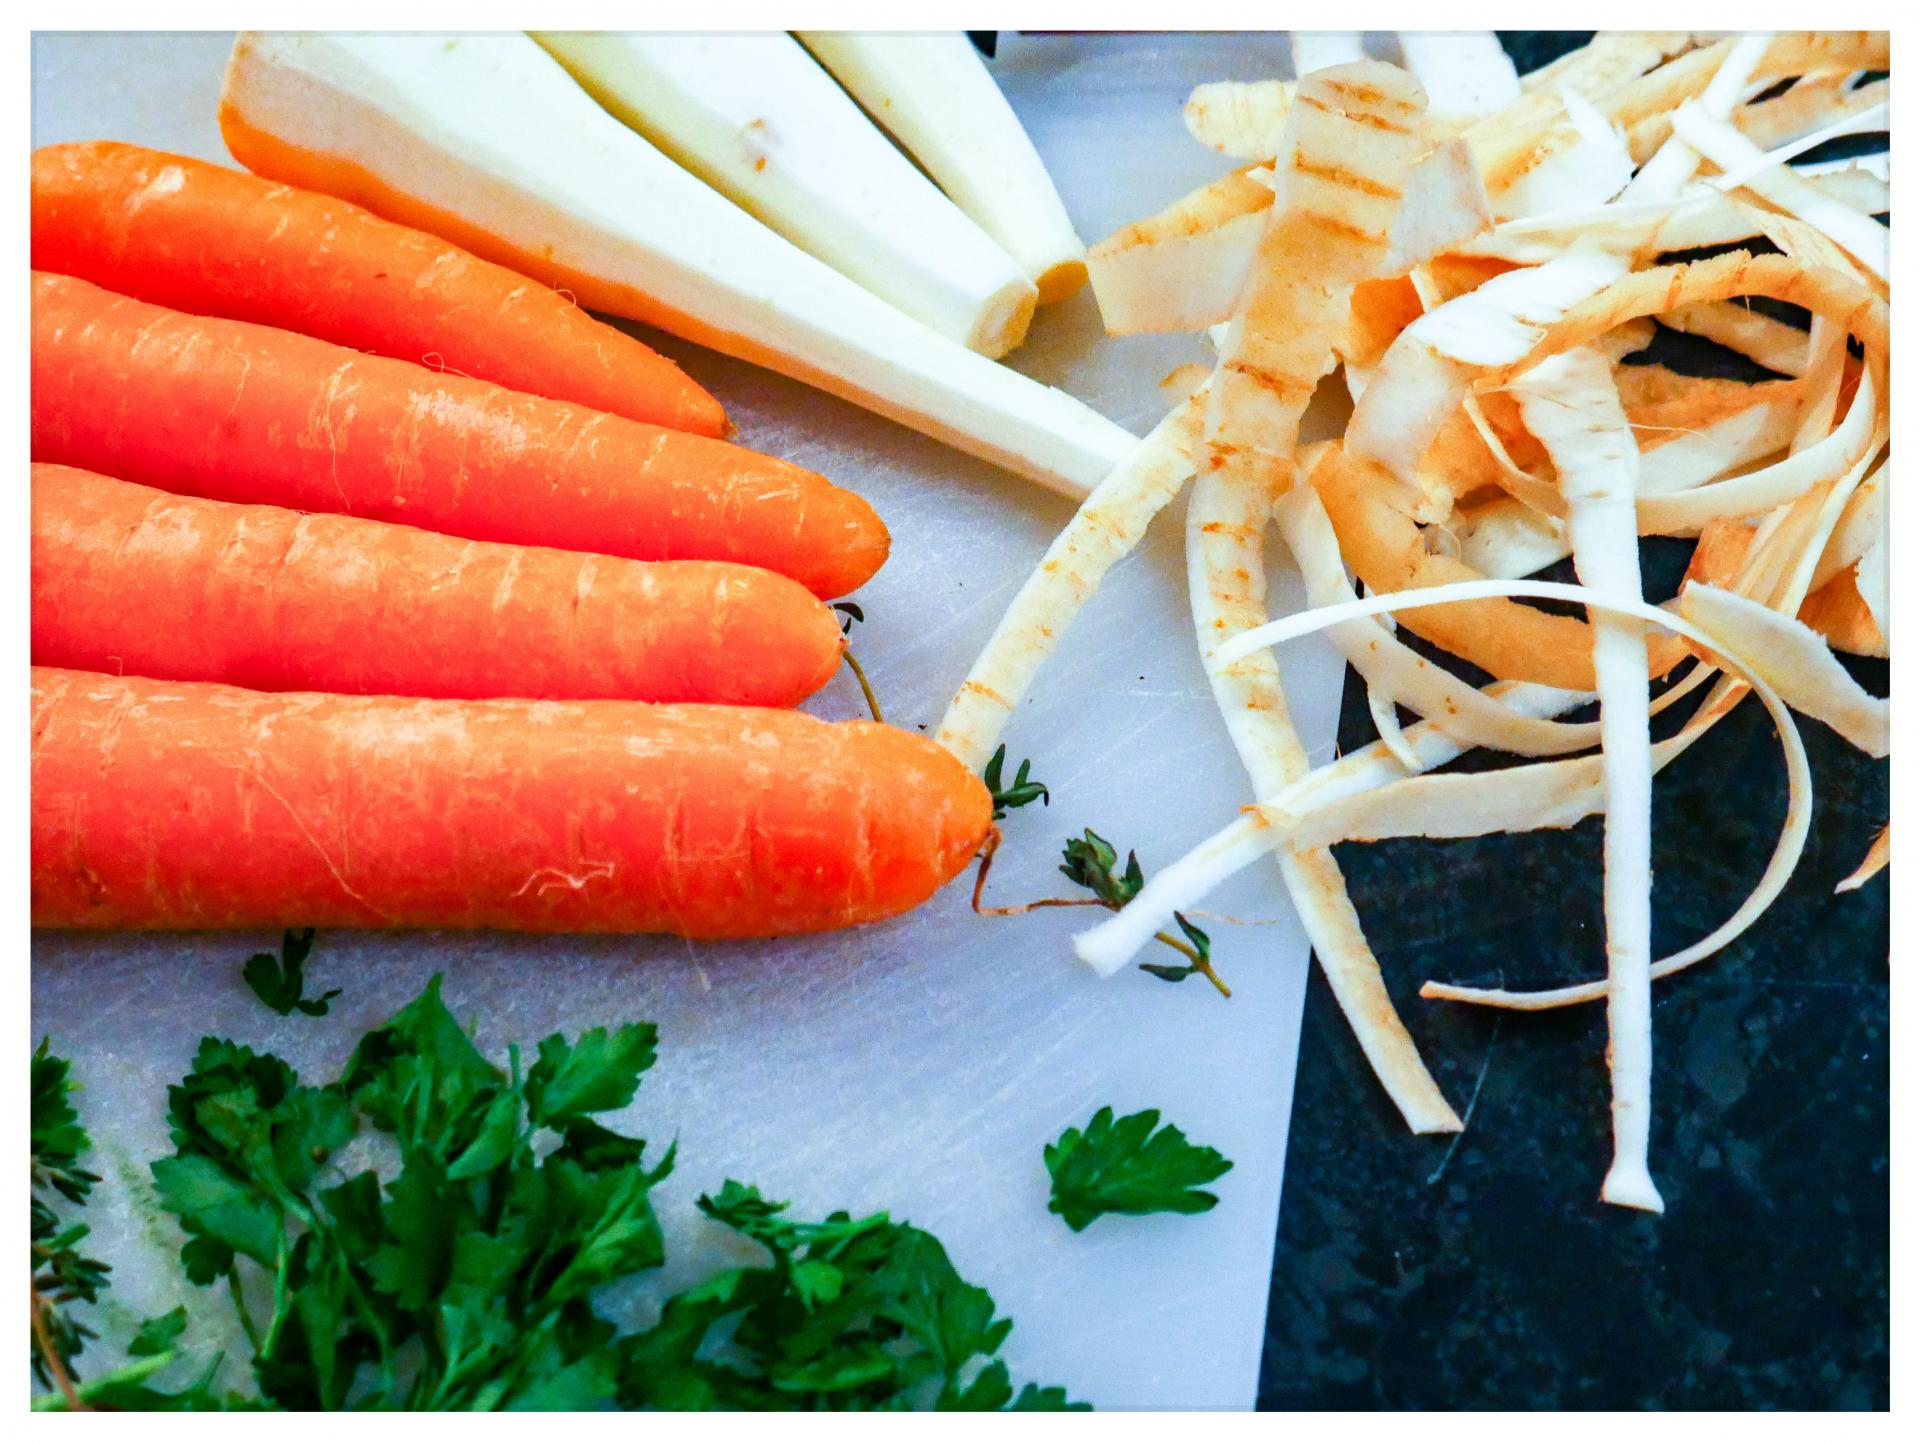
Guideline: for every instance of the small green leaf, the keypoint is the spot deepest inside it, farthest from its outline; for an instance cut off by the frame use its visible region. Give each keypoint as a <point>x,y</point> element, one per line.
<point>1046,1399</point>
<point>598,1072</point>
<point>815,1282</point>
<point>1091,861</point>
<point>1128,1167</point>
<point>1195,935</point>
<point>281,982</point>
<point>1167,973</point>
<point>221,1208</point>
<point>493,1144</point>
<point>158,1334</point>
<point>1022,791</point>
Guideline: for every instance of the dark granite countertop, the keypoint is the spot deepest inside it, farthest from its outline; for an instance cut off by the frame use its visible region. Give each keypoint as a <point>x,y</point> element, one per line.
<point>1482,1272</point>
<point>1418,1272</point>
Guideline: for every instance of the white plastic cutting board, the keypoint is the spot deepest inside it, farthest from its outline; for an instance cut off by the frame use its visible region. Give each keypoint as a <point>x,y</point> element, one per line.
<point>917,1066</point>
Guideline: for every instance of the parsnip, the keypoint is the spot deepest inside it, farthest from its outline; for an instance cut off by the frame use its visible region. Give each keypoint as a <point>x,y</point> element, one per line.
<point>933,95</point>
<point>1319,49</point>
<point>1466,73</point>
<point>759,121</point>
<point>488,142</point>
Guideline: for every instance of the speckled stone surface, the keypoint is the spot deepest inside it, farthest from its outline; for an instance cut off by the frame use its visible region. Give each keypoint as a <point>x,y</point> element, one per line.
<point>1419,1272</point>
<point>1415,1272</point>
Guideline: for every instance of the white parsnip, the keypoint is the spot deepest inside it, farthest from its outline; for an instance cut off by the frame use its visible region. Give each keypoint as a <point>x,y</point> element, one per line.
<point>759,121</point>
<point>1871,865</point>
<point>933,94</point>
<point>1466,73</point>
<point>457,136</point>
<point>1318,49</point>
<point>1182,268</point>
<point>1754,334</point>
<point>1108,525</point>
<point>1461,710</point>
<point>1353,135</point>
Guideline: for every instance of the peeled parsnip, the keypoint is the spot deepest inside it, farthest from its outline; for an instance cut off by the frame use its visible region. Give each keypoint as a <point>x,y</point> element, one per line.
<point>1466,73</point>
<point>486,141</point>
<point>759,121</point>
<point>933,95</point>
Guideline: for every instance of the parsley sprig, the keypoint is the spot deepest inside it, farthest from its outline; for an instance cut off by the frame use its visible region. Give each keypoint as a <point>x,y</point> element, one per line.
<point>464,1272</point>
<point>853,1313</point>
<point>1128,1167</point>
<point>464,1280</point>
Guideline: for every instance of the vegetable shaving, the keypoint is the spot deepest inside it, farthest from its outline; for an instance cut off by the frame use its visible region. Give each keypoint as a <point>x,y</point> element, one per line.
<point>1489,259</point>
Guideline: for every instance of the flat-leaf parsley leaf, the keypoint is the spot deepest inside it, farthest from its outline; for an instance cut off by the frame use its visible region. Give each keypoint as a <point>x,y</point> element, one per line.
<point>1126,1166</point>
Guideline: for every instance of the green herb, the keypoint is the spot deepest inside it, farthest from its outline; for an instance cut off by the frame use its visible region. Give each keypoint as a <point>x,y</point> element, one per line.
<point>1022,792</point>
<point>1202,954</point>
<point>852,1314</point>
<point>155,1347</point>
<point>464,1274</point>
<point>1126,1166</point>
<point>128,1389</point>
<point>464,1280</point>
<point>851,610</point>
<point>158,1335</point>
<point>1092,862</point>
<point>62,1275</point>
<point>281,983</point>
<point>866,686</point>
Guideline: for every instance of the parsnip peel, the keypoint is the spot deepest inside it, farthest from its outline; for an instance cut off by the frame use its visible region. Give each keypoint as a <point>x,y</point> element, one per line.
<point>1492,272</point>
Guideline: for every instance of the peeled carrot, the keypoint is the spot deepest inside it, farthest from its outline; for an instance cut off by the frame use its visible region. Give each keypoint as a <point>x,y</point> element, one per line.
<point>202,238</point>
<point>130,579</point>
<point>178,805</point>
<point>239,412</point>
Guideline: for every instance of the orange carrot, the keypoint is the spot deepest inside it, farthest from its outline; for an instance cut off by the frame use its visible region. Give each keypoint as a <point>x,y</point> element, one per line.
<point>239,412</point>
<point>130,579</point>
<point>202,238</point>
<point>179,805</point>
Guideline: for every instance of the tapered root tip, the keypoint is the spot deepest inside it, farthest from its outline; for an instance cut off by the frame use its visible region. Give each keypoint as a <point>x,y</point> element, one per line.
<point>1631,1186</point>
<point>1103,960</point>
<point>1435,1123</point>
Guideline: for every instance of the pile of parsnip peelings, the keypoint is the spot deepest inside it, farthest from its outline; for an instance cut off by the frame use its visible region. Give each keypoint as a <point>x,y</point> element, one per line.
<point>1483,259</point>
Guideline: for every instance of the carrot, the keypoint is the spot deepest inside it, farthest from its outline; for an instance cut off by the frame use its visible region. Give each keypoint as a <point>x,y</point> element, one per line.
<point>197,237</point>
<point>180,805</point>
<point>126,578</point>
<point>239,412</point>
